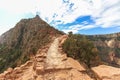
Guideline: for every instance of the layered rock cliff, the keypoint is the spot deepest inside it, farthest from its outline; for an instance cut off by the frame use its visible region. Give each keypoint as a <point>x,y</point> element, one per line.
<point>109,48</point>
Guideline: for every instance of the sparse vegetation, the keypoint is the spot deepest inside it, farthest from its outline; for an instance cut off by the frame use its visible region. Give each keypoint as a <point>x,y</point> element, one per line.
<point>100,41</point>
<point>80,48</point>
<point>25,39</point>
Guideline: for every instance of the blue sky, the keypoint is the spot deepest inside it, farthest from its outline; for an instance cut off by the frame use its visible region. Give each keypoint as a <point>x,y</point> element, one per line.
<point>78,16</point>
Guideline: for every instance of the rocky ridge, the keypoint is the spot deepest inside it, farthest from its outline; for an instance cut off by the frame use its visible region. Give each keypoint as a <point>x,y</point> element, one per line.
<point>24,39</point>
<point>48,64</point>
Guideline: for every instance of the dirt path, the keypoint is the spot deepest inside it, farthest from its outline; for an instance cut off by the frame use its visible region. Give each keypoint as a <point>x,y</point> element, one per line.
<point>61,66</point>
<point>48,64</point>
<point>53,56</point>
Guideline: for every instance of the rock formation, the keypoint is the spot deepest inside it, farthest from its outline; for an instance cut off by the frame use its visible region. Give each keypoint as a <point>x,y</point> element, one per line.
<point>107,44</point>
<point>48,64</point>
<point>107,72</point>
<point>24,39</point>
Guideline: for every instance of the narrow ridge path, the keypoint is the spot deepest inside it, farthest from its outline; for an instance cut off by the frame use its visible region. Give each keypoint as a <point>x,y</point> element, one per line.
<point>48,64</point>
<point>53,55</point>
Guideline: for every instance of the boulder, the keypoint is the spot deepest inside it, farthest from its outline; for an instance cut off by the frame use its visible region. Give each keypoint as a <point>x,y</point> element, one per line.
<point>107,72</point>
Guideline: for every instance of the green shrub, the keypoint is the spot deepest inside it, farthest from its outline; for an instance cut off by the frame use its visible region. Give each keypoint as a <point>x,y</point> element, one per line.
<point>80,48</point>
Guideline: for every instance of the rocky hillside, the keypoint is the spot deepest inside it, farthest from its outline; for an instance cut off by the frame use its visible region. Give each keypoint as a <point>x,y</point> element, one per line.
<point>109,48</point>
<point>51,63</point>
<point>22,41</point>
<point>48,64</point>
<point>33,50</point>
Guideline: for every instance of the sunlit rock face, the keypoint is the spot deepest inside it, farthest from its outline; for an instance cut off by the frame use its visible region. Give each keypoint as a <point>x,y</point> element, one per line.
<point>109,48</point>
<point>50,63</point>
<point>107,72</point>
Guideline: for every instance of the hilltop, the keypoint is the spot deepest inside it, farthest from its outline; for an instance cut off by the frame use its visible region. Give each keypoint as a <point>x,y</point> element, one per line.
<point>22,41</point>
<point>34,50</point>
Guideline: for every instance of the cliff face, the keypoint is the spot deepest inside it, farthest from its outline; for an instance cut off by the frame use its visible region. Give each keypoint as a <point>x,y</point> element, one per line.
<point>17,44</point>
<point>109,48</point>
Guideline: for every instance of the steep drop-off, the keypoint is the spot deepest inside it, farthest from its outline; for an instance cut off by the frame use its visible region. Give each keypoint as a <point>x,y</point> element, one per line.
<point>109,48</point>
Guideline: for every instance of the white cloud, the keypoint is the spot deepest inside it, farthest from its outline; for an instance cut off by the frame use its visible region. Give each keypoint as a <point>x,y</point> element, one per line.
<point>66,31</point>
<point>19,6</point>
<point>104,12</point>
<point>65,12</point>
<point>74,29</point>
<point>109,15</point>
<point>3,29</point>
<point>77,28</point>
<point>11,11</point>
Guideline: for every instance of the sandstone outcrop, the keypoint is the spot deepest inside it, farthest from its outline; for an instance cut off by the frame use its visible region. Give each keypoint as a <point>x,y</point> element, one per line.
<point>48,64</point>
<point>107,72</point>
